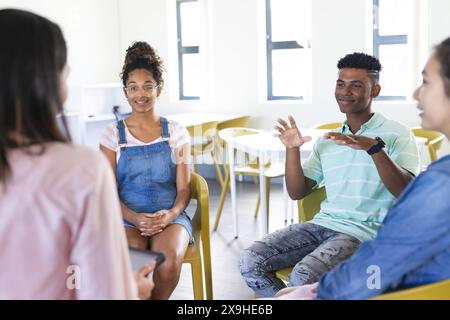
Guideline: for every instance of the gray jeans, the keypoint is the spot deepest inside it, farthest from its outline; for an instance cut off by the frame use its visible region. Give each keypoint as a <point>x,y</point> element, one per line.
<point>311,249</point>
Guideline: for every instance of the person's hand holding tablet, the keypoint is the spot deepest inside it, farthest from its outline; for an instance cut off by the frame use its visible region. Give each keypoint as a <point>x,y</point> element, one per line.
<point>144,263</point>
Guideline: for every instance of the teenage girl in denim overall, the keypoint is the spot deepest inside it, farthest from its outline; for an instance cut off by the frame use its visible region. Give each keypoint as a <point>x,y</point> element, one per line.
<point>147,177</point>
<point>153,178</point>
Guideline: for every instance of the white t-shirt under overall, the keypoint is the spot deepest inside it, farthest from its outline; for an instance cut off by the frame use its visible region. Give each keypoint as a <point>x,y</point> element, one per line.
<point>179,136</point>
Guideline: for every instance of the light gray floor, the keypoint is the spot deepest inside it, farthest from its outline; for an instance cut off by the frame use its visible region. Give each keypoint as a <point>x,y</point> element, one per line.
<point>227,281</point>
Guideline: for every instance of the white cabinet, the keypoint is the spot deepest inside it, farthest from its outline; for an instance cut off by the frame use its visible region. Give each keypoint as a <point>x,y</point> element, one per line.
<point>98,101</point>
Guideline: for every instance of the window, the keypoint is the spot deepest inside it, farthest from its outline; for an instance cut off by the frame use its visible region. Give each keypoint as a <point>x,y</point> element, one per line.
<point>288,33</point>
<point>188,33</point>
<point>393,30</point>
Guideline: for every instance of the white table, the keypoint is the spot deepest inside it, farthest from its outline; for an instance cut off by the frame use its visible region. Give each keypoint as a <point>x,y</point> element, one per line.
<point>265,146</point>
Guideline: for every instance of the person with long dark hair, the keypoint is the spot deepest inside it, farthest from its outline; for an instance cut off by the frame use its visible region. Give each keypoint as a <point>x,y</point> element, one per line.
<point>60,228</point>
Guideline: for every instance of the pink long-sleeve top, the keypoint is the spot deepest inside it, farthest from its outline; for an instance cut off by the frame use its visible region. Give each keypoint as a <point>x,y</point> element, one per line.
<point>61,233</point>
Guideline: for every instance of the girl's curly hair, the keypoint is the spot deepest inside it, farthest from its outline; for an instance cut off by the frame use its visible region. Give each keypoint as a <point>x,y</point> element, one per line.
<point>140,55</point>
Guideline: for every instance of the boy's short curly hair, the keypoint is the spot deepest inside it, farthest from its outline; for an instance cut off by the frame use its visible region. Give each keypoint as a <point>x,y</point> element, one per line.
<point>361,60</point>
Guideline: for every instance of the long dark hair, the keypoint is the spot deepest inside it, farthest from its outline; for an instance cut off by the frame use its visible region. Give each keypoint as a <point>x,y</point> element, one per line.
<point>32,57</point>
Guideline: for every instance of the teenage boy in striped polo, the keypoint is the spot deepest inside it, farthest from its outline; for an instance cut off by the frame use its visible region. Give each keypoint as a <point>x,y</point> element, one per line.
<point>364,166</point>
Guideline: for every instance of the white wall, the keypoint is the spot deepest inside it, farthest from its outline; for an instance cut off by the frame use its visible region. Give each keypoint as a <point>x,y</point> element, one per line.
<point>91,29</point>
<point>439,21</point>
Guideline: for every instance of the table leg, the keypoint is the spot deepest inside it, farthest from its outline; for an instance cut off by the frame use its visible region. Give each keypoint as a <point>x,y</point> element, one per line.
<point>286,200</point>
<point>293,210</point>
<point>231,151</point>
<point>263,225</point>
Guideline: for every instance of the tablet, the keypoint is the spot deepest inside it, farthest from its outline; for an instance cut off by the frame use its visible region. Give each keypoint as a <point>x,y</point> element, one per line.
<point>140,258</point>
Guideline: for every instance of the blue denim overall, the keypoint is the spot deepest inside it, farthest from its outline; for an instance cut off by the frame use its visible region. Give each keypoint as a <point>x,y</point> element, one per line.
<point>146,177</point>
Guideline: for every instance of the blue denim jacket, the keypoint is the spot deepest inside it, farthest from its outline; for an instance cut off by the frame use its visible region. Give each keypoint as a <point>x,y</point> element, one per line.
<point>412,246</point>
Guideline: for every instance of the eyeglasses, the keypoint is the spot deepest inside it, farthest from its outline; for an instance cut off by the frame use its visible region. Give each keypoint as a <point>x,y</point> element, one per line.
<point>147,89</point>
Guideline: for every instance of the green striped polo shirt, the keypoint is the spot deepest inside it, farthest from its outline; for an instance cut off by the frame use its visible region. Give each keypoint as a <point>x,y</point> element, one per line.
<point>357,200</point>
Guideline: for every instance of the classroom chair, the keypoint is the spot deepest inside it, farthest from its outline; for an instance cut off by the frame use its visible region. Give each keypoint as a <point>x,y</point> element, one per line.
<point>199,257</point>
<point>435,291</point>
<point>434,140</point>
<point>203,136</point>
<point>241,122</point>
<point>251,169</point>
<point>307,209</point>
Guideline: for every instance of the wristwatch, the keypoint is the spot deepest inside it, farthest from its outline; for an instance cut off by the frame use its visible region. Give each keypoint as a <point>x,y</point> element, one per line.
<point>376,148</point>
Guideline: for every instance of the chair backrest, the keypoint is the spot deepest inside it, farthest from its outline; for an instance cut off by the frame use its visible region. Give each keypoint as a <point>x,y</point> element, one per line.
<point>200,192</point>
<point>435,291</point>
<point>329,126</point>
<point>228,133</point>
<point>241,122</point>
<point>207,129</point>
<point>202,136</point>
<point>310,205</point>
<point>434,140</point>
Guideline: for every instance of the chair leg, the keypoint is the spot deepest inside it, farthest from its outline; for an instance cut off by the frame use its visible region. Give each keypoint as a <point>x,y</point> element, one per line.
<point>218,172</point>
<point>267,199</point>
<point>258,203</point>
<point>433,154</point>
<point>206,253</point>
<point>226,168</point>
<point>222,199</point>
<point>197,279</point>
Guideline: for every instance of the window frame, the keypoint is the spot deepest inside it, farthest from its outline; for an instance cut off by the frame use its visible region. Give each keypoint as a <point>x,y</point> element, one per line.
<point>183,50</point>
<point>379,40</point>
<point>270,47</point>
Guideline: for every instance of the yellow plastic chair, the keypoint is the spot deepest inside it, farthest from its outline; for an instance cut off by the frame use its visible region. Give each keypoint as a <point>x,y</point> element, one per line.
<point>435,291</point>
<point>434,140</point>
<point>308,207</point>
<point>204,136</point>
<point>251,169</point>
<point>241,122</point>
<point>200,257</point>
<point>329,126</point>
